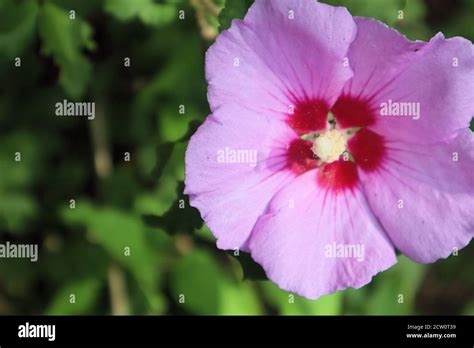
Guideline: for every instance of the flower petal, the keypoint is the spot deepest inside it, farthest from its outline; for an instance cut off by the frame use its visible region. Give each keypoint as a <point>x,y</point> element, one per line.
<point>235,163</point>
<point>439,75</point>
<point>424,198</point>
<point>297,241</point>
<point>281,53</point>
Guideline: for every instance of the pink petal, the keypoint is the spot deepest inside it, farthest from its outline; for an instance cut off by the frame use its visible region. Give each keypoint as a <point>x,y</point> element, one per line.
<point>231,196</point>
<point>302,222</point>
<point>387,66</point>
<point>281,60</point>
<point>281,54</point>
<point>436,215</point>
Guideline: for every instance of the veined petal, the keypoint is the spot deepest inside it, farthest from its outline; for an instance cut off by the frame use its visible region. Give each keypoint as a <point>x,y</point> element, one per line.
<point>426,88</point>
<point>281,53</point>
<point>235,163</point>
<point>314,242</point>
<point>424,196</point>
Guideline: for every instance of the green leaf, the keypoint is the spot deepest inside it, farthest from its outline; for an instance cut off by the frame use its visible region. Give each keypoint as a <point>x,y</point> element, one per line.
<point>291,304</point>
<point>60,262</point>
<point>395,289</point>
<point>173,124</point>
<point>148,11</point>
<point>205,234</point>
<point>181,218</point>
<point>64,39</point>
<point>165,194</point>
<point>233,9</point>
<point>238,299</point>
<point>178,70</point>
<point>200,286</point>
<point>195,283</point>
<point>161,93</point>
<point>17,210</point>
<point>469,310</point>
<point>85,292</point>
<point>250,269</point>
<point>122,235</point>
<point>387,13</point>
<point>17,26</point>
<point>21,159</point>
<point>406,16</point>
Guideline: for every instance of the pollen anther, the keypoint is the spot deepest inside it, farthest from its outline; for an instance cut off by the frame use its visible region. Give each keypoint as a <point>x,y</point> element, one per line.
<point>330,145</point>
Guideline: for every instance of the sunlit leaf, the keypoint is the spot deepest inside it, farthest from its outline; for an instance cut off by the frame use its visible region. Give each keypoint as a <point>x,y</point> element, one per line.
<point>200,286</point>
<point>122,235</point>
<point>291,304</point>
<point>394,290</point>
<point>78,297</point>
<point>148,11</point>
<point>64,39</point>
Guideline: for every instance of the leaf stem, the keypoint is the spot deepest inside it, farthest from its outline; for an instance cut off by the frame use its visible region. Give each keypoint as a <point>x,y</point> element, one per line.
<point>207,31</point>
<point>103,167</point>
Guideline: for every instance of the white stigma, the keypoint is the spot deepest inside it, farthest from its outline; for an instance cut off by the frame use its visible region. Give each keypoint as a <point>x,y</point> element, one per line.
<point>330,145</point>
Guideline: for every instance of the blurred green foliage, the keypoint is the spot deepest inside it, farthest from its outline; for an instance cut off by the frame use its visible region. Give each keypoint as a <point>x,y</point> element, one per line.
<point>233,10</point>
<point>129,242</point>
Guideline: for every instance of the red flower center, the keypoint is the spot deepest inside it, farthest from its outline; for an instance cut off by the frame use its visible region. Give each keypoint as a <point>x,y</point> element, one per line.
<point>308,116</point>
<point>365,148</point>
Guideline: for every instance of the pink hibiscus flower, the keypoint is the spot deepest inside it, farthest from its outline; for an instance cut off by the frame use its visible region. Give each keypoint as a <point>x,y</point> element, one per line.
<point>333,142</point>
